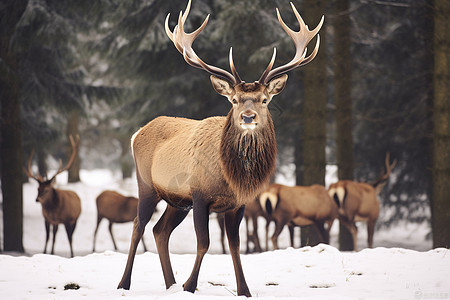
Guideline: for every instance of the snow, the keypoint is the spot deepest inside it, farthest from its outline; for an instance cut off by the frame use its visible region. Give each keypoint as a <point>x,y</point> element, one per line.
<point>321,272</point>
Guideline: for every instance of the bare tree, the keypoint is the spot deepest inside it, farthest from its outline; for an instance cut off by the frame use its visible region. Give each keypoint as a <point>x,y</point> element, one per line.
<point>441,134</point>
<point>11,131</point>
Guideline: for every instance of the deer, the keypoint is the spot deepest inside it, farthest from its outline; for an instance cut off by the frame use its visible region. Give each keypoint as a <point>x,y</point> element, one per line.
<point>299,206</point>
<point>358,202</point>
<point>217,164</point>
<point>58,206</point>
<point>116,208</point>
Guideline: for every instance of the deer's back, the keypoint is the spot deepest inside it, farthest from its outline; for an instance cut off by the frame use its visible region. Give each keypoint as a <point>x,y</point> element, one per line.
<point>310,202</point>
<point>116,207</point>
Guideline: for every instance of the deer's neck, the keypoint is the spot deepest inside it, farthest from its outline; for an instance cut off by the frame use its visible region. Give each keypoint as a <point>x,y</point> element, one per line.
<point>248,158</point>
<point>51,203</point>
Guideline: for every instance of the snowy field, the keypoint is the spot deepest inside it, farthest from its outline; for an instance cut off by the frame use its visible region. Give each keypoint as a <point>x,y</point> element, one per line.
<point>402,266</point>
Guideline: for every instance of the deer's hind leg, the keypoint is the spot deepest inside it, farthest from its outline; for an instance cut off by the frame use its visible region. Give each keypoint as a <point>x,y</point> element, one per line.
<point>171,218</point>
<point>99,219</point>
<point>148,199</point>
<point>70,228</point>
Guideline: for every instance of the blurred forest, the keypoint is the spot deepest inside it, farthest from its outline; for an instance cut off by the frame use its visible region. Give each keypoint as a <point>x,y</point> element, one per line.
<point>102,69</point>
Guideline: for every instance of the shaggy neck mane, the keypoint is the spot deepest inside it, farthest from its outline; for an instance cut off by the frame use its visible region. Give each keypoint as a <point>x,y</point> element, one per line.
<point>248,158</point>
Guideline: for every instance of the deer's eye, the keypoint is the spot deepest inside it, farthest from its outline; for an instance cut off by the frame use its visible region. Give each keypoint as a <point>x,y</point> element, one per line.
<point>264,101</point>
<point>234,101</point>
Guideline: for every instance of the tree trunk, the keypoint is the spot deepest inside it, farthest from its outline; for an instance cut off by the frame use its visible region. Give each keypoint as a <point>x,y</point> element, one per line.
<point>72,129</point>
<point>314,112</point>
<point>11,130</point>
<point>342,95</point>
<point>126,160</point>
<point>441,133</point>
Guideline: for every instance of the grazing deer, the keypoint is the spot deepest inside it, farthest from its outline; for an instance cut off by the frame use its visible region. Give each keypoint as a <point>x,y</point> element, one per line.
<point>218,164</point>
<point>58,206</point>
<point>116,208</point>
<point>358,201</point>
<point>299,206</point>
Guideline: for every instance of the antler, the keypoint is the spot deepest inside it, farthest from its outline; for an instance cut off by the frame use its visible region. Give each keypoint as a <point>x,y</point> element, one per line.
<point>389,168</point>
<point>39,177</point>
<point>72,157</point>
<point>301,40</point>
<point>183,42</point>
<point>28,171</point>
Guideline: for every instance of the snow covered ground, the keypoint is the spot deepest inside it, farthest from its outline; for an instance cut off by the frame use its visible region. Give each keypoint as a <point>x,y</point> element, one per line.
<point>390,271</point>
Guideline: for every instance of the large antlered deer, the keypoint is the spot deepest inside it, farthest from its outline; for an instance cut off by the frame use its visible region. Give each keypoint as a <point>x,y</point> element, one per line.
<point>213,165</point>
<point>358,201</point>
<point>58,206</point>
<point>299,206</point>
<point>116,208</point>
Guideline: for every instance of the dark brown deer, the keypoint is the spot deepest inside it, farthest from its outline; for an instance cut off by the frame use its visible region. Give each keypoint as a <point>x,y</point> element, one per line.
<point>358,201</point>
<point>299,206</point>
<point>58,206</point>
<point>213,165</point>
<point>116,208</point>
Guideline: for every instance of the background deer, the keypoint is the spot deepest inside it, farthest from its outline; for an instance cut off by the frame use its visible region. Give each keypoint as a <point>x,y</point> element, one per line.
<point>358,201</point>
<point>299,206</point>
<point>58,206</point>
<point>218,164</point>
<point>116,208</point>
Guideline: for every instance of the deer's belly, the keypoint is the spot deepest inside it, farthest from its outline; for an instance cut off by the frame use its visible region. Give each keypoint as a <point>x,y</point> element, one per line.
<point>171,172</point>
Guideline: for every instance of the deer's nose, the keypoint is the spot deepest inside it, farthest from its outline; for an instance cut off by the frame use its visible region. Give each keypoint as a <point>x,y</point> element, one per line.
<point>248,117</point>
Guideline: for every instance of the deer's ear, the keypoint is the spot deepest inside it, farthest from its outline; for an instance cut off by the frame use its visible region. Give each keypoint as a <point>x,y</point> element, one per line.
<point>276,85</point>
<point>222,86</point>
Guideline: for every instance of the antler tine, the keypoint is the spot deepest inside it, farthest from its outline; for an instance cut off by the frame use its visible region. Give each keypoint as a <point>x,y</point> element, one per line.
<point>269,67</point>
<point>183,42</point>
<point>301,39</point>
<point>389,167</point>
<point>28,171</point>
<point>72,156</point>
<point>233,68</point>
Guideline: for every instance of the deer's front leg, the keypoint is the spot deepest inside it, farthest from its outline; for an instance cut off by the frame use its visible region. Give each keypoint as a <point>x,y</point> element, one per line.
<point>232,221</point>
<point>201,225</point>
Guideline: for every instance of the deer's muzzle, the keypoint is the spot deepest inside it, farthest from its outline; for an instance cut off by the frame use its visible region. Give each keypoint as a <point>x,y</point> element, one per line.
<point>248,121</point>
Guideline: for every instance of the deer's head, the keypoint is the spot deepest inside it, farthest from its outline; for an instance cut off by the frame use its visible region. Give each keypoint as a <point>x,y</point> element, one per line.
<point>45,189</point>
<point>249,100</point>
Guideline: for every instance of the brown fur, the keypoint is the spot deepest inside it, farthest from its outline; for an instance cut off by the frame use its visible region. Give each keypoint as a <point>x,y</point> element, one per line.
<point>300,206</point>
<point>249,171</point>
<point>116,208</point>
<point>358,201</point>
<point>58,207</point>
